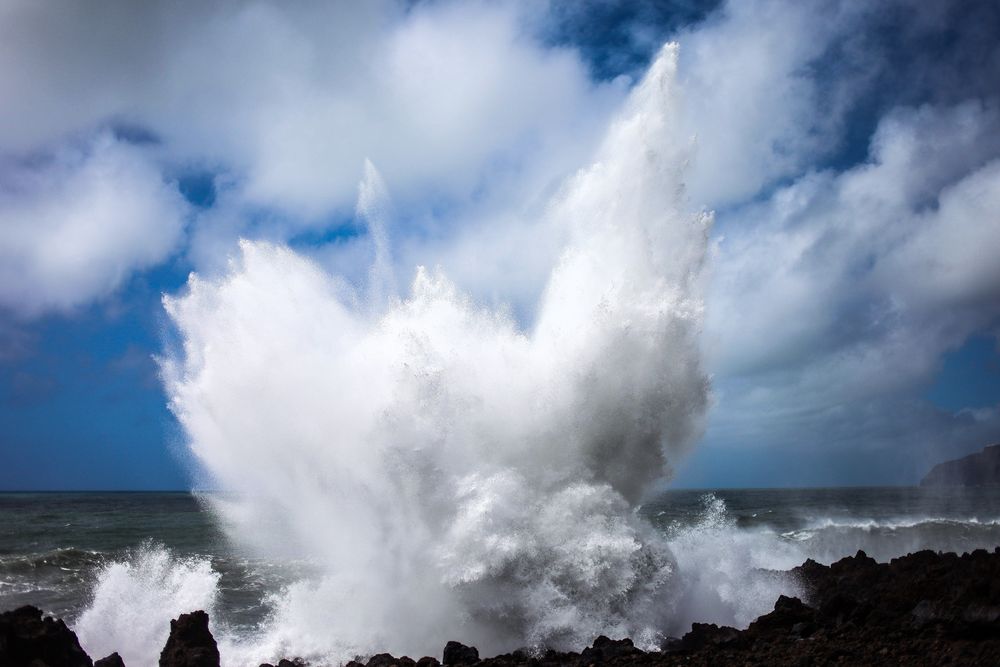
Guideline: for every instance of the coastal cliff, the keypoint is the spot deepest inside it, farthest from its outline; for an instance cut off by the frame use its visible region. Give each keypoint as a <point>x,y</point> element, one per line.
<point>979,469</point>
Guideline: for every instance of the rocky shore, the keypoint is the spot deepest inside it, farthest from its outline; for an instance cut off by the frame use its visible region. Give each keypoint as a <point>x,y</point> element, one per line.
<point>922,609</point>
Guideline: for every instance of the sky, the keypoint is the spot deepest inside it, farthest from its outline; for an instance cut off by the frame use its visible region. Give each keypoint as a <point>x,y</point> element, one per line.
<point>850,151</point>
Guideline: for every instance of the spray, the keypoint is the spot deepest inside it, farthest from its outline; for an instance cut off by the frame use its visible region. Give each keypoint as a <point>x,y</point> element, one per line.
<point>451,473</point>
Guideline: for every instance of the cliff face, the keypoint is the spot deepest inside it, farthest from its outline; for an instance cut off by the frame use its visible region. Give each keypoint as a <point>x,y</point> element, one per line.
<point>977,469</point>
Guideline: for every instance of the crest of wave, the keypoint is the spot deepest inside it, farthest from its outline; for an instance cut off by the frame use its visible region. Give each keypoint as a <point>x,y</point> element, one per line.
<point>452,474</point>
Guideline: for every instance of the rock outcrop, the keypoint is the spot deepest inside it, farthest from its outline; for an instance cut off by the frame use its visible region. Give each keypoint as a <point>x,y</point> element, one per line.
<point>979,469</point>
<point>459,654</point>
<point>190,643</point>
<point>26,638</point>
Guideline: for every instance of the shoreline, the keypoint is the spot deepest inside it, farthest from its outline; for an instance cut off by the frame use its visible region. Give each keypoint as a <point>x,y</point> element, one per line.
<point>925,608</point>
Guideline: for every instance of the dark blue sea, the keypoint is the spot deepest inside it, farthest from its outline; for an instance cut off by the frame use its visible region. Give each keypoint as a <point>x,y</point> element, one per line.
<point>100,560</point>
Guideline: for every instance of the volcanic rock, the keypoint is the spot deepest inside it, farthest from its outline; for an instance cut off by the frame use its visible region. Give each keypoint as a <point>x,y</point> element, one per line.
<point>190,643</point>
<point>28,639</point>
<point>704,635</point>
<point>459,654</point>
<point>608,649</point>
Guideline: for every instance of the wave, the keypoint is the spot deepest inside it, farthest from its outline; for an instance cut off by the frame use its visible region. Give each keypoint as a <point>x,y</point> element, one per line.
<point>927,524</point>
<point>66,559</point>
<point>135,598</point>
<point>897,523</point>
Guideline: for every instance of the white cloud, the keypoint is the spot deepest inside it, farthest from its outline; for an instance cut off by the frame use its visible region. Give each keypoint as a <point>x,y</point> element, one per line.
<point>468,117</point>
<point>73,227</point>
<point>753,98</point>
<point>835,299</point>
<point>292,99</point>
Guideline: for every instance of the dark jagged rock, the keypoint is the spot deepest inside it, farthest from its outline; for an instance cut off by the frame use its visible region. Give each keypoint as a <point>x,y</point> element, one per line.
<point>608,649</point>
<point>26,638</point>
<point>459,654</point>
<point>705,635</point>
<point>381,660</point>
<point>428,661</point>
<point>790,617</point>
<point>113,660</point>
<point>190,644</point>
<point>979,469</point>
<point>922,609</point>
<point>956,596</point>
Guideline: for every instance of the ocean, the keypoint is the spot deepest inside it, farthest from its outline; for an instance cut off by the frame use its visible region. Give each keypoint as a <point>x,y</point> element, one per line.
<point>116,565</point>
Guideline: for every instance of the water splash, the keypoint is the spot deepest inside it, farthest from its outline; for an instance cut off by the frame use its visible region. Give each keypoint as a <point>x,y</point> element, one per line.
<point>136,597</point>
<point>452,474</point>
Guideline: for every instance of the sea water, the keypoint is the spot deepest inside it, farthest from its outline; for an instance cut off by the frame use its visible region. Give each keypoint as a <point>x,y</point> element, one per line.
<point>120,565</point>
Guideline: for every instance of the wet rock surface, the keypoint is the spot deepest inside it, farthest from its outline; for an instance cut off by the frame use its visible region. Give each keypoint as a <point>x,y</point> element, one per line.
<point>922,609</point>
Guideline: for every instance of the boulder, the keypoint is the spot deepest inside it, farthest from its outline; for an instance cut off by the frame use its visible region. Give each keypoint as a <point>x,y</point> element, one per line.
<point>190,644</point>
<point>459,654</point>
<point>26,638</point>
<point>608,649</point>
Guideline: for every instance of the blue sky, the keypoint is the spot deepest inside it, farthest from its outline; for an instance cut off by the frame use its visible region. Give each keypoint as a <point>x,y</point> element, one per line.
<point>851,154</point>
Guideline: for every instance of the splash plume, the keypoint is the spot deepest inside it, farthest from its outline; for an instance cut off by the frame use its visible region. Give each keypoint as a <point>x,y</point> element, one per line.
<point>450,473</point>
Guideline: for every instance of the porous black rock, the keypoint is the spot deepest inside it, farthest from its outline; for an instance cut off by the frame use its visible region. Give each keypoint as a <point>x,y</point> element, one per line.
<point>381,660</point>
<point>608,649</point>
<point>790,616</point>
<point>190,644</point>
<point>459,654</point>
<point>26,638</point>
<point>704,635</point>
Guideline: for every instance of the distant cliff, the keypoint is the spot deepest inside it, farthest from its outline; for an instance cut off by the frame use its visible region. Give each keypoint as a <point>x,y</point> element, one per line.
<point>977,469</point>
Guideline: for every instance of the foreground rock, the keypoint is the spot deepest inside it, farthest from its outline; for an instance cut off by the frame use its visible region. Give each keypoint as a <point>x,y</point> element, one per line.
<point>190,643</point>
<point>28,639</point>
<point>922,609</point>
<point>979,469</point>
